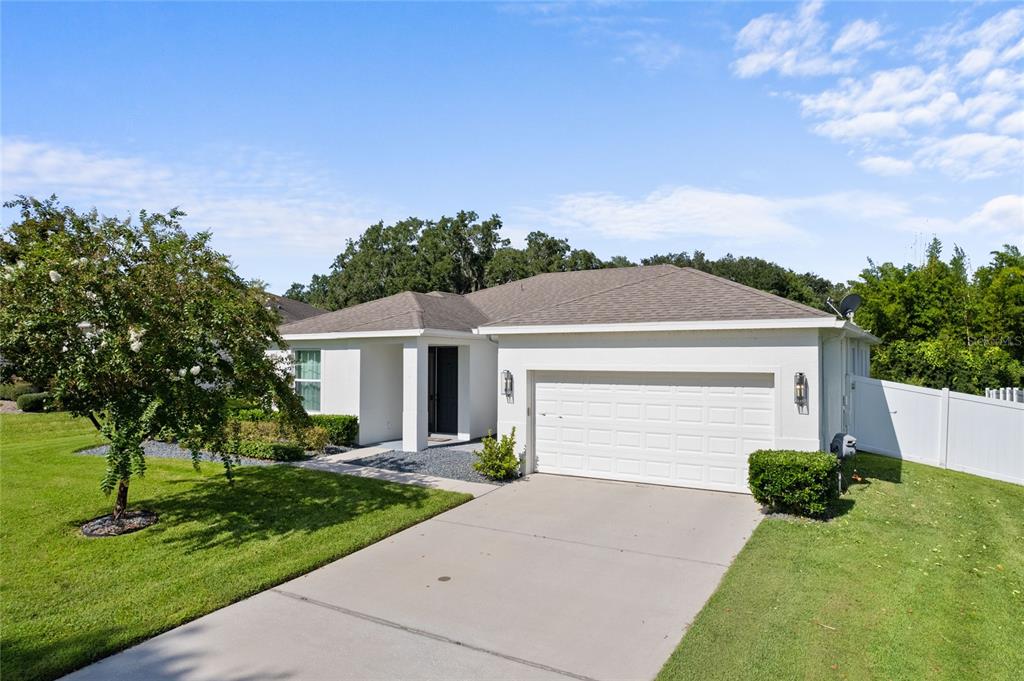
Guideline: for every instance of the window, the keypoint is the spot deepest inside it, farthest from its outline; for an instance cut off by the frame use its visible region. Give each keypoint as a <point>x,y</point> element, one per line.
<point>307,378</point>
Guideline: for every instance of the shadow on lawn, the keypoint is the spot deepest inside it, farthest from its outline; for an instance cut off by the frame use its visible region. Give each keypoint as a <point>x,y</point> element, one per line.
<point>152,662</point>
<point>269,502</point>
<point>874,467</point>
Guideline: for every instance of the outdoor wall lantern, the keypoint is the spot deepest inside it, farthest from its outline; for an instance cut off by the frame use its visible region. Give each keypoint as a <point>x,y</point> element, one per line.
<point>800,391</point>
<point>506,383</point>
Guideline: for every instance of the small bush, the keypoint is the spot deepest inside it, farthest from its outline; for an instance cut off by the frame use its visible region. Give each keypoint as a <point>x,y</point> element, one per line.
<point>254,414</point>
<point>342,429</point>
<point>264,431</point>
<point>315,438</point>
<point>497,460</point>
<point>801,483</point>
<point>33,401</point>
<point>12,391</point>
<point>273,451</point>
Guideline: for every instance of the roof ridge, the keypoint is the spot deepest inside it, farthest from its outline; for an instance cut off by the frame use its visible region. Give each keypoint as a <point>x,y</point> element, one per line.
<point>591,294</point>
<point>751,289</point>
<point>545,274</point>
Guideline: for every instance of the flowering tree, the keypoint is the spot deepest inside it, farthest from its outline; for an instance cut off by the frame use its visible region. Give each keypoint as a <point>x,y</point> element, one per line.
<point>137,326</point>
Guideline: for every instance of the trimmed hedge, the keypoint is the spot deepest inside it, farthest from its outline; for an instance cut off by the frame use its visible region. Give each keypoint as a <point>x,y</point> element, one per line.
<point>12,391</point>
<point>342,429</point>
<point>33,401</point>
<point>273,451</point>
<point>801,483</point>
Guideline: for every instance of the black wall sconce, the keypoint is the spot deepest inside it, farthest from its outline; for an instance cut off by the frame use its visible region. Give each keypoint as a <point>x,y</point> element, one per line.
<point>507,385</point>
<point>800,391</point>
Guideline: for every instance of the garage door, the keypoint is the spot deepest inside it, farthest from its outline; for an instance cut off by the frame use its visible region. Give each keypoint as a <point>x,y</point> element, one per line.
<point>689,429</point>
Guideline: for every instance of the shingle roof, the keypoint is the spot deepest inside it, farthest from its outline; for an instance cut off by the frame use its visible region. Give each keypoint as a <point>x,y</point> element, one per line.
<point>291,310</point>
<point>673,295</point>
<point>657,293</point>
<point>401,311</point>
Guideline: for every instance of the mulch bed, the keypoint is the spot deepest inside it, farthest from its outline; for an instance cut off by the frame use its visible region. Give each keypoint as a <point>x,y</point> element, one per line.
<point>130,521</point>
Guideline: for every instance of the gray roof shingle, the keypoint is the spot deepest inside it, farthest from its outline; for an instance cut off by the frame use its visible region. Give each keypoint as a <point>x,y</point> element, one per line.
<point>657,293</point>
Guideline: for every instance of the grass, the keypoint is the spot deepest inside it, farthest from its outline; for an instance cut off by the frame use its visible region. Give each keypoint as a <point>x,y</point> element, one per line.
<point>66,600</point>
<point>921,577</point>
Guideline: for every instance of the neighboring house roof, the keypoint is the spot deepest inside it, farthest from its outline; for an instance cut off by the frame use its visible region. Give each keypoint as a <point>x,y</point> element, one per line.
<point>657,293</point>
<point>291,310</point>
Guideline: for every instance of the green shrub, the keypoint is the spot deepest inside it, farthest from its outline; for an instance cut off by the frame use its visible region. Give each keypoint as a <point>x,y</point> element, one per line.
<point>801,483</point>
<point>315,438</point>
<point>497,460</point>
<point>33,401</point>
<point>12,391</point>
<point>273,451</point>
<point>166,435</point>
<point>342,429</point>
<point>264,431</point>
<point>253,414</point>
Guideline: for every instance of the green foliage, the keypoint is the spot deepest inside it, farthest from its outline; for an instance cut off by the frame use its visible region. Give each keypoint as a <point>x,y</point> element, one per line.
<point>272,451</point>
<point>254,414</point>
<point>33,401</point>
<point>802,483</point>
<point>498,460</point>
<point>943,328</point>
<point>315,438</point>
<point>11,391</point>
<point>140,326</point>
<point>342,429</point>
<point>947,362</point>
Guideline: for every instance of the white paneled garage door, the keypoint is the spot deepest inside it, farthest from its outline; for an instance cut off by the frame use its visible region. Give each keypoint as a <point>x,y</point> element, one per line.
<point>684,429</point>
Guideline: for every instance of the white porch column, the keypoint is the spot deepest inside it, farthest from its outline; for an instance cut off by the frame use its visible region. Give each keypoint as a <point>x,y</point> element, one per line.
<point>465,396</point>
<point>414,395</point>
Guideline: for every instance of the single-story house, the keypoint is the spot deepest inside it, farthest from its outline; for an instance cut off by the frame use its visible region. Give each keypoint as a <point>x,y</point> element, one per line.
<point>653,374</point>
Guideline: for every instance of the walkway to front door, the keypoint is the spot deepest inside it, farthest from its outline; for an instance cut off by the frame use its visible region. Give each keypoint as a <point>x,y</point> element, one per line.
<point>548,578</point>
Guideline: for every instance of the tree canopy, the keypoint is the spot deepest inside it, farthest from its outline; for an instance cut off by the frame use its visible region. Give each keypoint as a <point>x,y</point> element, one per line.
<point>138,326</point>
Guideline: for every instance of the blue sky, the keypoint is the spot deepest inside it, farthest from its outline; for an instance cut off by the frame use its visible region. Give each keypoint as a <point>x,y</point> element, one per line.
<point>816,135</point>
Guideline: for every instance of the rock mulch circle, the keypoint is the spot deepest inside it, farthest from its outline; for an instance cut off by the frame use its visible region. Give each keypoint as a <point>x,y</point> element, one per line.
<point>130,521</point>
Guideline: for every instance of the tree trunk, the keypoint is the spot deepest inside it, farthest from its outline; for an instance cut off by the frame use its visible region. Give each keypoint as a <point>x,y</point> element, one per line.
<point>121,502</point>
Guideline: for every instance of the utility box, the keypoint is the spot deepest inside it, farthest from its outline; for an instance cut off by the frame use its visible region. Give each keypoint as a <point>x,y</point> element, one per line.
<point>843,445</point>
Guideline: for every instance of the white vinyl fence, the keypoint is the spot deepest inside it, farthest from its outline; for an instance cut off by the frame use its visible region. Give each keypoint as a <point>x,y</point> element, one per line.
<point>953,430</point>
<point>1011,394</point>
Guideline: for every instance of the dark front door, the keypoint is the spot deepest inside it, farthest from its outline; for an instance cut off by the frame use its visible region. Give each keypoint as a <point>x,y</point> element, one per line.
<point>443,389</point>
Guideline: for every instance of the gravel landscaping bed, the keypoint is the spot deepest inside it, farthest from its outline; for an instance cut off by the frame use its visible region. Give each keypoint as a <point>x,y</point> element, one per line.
<point>169,450</point>
<point>438,461</point>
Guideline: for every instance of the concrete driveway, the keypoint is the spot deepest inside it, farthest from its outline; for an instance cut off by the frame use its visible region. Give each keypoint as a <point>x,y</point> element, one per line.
<point>548,578</point>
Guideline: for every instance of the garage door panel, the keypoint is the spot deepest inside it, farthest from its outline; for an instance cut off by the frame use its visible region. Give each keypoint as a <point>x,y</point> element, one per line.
<point>691,430</point>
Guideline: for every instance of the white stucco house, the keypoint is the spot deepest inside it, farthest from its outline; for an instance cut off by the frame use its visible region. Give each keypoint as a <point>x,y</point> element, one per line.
<point>652,374</point>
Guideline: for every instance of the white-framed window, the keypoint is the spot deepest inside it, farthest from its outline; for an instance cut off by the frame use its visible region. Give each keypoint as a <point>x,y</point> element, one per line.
<point>307,378</point>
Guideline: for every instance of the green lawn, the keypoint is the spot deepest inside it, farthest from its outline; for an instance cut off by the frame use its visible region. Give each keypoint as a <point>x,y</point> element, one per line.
<point>921,578</point>
<point>66,600</point>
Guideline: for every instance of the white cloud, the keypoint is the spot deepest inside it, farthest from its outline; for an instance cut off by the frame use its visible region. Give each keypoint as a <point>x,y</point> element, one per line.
<point>252,202</point>
<point>958,115</point>
<point>973,155</point>
<point>673,211</point>
<point>976,61</point>
<point>1012,124</point>
<point>1001,214</point>
<point>887,166</point>
<point>859,35</point>
<point>740,219</point>
<point>791,45</point>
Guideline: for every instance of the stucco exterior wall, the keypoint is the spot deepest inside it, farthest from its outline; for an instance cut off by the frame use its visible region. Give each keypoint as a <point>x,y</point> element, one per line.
<point>781,352</point>
<point>339,374</point>
<point>380,391</point>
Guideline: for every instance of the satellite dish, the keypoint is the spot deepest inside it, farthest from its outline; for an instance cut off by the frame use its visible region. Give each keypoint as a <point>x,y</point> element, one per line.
<point>849,304</point>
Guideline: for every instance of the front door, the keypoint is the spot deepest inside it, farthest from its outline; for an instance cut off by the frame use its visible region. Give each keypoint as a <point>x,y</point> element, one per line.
<point>443,389</point>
